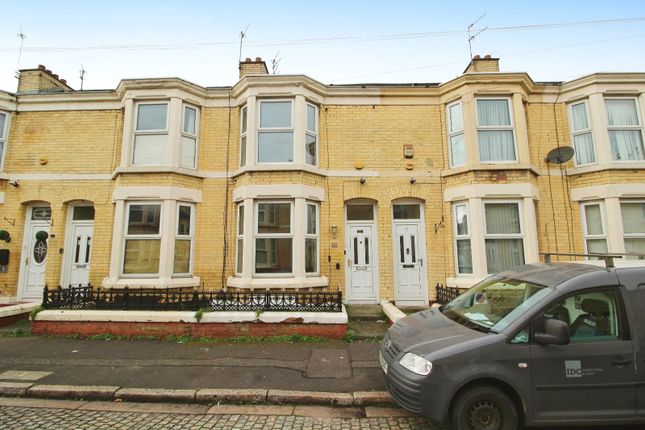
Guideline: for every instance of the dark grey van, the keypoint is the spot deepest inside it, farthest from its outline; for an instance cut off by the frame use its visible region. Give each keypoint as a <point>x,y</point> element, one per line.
<point>542,344</point>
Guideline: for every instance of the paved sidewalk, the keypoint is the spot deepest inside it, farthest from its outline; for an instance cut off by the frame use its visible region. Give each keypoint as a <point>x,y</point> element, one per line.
<point>329,366</point>
<point>32,414</point>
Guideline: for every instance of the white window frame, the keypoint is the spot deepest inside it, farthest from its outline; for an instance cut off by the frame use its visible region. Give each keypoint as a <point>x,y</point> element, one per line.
<point>603,220</point>
<point>160,132</point>
<point>256,235</point>
<point>183,133</point>
<point>520,235</point>
<point>244,113</point>
<point>580,132</point>
<point>189,237</point>
<point>629,235</point>
<point>239,236</point>
<point>4,131</point>
<point>458,237</point>
<point>313,133</point>
<point>312,236</point>
<point>455,133</point>
<point>511,127</point>
<point>260,130</point>
<point>638,127</point>
<point>127,236</point>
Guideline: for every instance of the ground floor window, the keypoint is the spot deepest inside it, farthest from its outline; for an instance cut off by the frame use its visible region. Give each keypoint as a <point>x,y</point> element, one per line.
<point>633,215</point>
<point>503,236</point>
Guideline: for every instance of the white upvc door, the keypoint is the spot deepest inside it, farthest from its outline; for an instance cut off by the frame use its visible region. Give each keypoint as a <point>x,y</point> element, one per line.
<point>78,258</point>
<point>361,264</point>
<point>34,254</point>
<point>408,254</point>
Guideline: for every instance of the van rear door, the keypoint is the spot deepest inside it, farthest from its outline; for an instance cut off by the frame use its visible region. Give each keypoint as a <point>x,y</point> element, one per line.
<point>593,377</point>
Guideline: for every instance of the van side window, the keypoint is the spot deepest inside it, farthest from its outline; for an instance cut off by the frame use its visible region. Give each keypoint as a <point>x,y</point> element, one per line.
<point>592,316</point>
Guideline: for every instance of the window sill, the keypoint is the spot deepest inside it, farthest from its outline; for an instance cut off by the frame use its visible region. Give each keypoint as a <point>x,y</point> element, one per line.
<point>310,282</point>
<point>483,166</point>
<point>157,169</point>
<point>614,165</point>
<point>152,283</point>
<point>464,281</point>
<point>277,167</point>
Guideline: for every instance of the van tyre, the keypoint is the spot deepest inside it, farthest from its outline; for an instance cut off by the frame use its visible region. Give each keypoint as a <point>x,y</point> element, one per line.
<point>484,408</point>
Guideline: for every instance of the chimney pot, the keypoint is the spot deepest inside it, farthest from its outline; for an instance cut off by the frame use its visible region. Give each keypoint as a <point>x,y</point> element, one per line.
<point>476,57</point>
<point>487,57</point>
<point>54,75</point>
<point>258,58</point>
<point>248,59</point>
<point>64,81</point>
<point>41,67</point>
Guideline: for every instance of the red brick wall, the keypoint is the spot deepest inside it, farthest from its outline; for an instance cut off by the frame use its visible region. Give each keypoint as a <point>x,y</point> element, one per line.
<point>155,329</point>
<point>12,319</point>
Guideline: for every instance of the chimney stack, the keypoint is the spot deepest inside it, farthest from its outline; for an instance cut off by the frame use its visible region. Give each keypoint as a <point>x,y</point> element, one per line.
<point>41,80</point>
<point>487,64</point>
<point>250,67</point>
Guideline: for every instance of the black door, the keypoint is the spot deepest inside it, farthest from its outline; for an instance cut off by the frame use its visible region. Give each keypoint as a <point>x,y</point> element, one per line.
<point>594,376</point>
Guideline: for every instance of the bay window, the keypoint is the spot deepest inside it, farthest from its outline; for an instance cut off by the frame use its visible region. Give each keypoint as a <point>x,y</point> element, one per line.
<point>163,133</point>
<point>595,235</point>
<point>311,239</point>
<point>625,129</point>
<point>633,215</point>
<point>311,135</point>
<point>183,240</point>
<point>273,238</point>
<point>463,250</point>
<point>275,132</point>
<point>189,138</point>
<point>495,131</point>
<point>456,144</point>
<point>581,133</point>
<point>243,129</point>
<point>4,125</point>
<point>239,264</point>
<point>142,239</point>
<point>503,236</point>
<point>151,134</point>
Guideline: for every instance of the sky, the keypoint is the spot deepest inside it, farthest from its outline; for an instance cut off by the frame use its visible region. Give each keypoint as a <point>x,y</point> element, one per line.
<point>334,42</point>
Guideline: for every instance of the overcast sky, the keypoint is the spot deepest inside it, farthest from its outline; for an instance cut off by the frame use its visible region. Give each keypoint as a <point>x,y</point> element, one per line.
<point>332,41</point>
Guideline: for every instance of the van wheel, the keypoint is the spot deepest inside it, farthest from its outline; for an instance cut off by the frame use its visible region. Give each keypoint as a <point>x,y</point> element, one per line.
<point>484,408</point>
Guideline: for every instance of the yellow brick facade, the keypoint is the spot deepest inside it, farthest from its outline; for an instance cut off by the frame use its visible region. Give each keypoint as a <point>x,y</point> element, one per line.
<point>77,148</point>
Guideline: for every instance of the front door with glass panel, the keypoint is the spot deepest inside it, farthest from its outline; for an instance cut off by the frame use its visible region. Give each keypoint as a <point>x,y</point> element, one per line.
<point>360,250</point>
<point>34,252</point>
<point>409,254</point>
<point>79,246</point>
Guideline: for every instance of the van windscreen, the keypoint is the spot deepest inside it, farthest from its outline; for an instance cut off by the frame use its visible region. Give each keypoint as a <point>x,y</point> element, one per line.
<point>495,303</point>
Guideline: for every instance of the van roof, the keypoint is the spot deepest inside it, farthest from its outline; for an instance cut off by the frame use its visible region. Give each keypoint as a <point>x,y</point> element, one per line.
<point>550,274</point>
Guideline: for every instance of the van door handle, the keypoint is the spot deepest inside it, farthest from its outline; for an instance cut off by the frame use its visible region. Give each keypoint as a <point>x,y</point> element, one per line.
<point>620,361</point>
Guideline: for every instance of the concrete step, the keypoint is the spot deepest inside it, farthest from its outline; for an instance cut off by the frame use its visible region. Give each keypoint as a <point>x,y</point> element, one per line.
<point>365,312</point>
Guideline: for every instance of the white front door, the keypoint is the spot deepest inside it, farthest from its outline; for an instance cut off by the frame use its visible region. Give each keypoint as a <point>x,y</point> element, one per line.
<point>81,242</point>
<point>361,264</point>
<point>34,252</point>
<point>409,261</point>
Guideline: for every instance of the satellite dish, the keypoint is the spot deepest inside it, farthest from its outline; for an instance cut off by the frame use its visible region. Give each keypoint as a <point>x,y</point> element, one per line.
<point>560,155</point>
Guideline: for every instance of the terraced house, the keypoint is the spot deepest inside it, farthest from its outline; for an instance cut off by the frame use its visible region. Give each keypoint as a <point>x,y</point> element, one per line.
<point>380,190</point>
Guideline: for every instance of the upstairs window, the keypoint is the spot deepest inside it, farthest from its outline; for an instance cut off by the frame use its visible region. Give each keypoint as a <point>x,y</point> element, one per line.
<point>189,130</point>
<point>495,131</point>
<point>151,134</point>
<point>625,130</point>
<point>311,135</point>
<point>4,120</point>
<point>581,134</point>
<point>275,132</point>
<point>456,145</point>
<point>243,129</point>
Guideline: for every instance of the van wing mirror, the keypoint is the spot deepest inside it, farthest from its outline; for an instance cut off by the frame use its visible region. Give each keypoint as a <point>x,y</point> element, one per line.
<point>556,332</point>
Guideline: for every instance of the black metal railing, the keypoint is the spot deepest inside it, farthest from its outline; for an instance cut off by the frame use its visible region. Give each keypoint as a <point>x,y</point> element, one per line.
<point>172,299</point>
<point>446,294</point>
